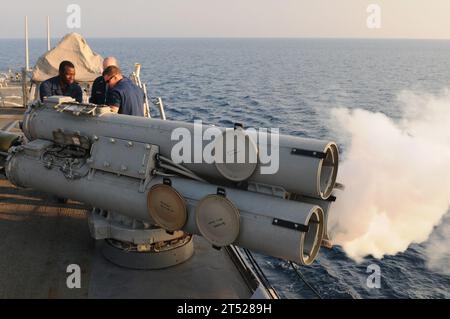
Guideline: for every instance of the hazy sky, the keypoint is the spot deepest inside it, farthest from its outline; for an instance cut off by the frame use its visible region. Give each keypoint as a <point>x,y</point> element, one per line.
<point>230,18</point>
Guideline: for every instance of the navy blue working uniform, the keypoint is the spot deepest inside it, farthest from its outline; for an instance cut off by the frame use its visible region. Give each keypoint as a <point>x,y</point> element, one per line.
<point>98,92</point>
<point>128,97</point>
<point>53,87</point>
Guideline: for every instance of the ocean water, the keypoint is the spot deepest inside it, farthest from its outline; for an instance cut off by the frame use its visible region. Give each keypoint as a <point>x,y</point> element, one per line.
<point>292,84</point>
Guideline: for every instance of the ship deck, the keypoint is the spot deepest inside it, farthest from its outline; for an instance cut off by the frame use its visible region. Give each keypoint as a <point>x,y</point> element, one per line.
<point>42,237</point>
<point>11,96</point>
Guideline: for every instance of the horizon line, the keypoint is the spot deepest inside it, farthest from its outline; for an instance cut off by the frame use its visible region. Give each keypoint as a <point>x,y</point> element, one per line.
<point>235,38</point>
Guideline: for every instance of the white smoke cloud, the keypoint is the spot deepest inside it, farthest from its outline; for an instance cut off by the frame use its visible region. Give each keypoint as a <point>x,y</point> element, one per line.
<point>437,249</point>
<point>397,176</point>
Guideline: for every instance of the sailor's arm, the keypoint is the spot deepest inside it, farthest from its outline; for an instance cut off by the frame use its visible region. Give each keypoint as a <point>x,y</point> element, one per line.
<point>96,87</point>
<point>113,100</point>
<point>45,90</point>
<point>78,93</point>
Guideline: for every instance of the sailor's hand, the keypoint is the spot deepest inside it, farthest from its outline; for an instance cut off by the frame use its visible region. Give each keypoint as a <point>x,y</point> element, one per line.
<point>114,109</point>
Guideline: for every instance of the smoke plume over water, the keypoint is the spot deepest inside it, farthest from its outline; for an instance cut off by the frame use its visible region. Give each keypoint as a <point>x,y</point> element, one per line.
<point>397,177</point>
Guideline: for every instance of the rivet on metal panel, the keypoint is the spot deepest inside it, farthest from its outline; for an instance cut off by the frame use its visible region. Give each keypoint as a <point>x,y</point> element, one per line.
<point>106,164</point>
<point>95,137</point>
<point>130,144</point>
<point>112,140</point>
<point>123,168</point>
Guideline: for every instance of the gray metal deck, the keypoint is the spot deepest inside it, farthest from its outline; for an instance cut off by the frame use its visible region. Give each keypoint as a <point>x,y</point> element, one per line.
<point>41,237</point>
<point>11,96</point>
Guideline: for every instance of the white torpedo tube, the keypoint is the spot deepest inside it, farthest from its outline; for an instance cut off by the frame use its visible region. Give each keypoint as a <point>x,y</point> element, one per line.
<point>306,166</point>
<point>273,226</point>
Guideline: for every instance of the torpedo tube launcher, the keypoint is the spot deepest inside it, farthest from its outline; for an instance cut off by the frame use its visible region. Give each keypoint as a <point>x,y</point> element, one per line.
<point>124,164</point>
